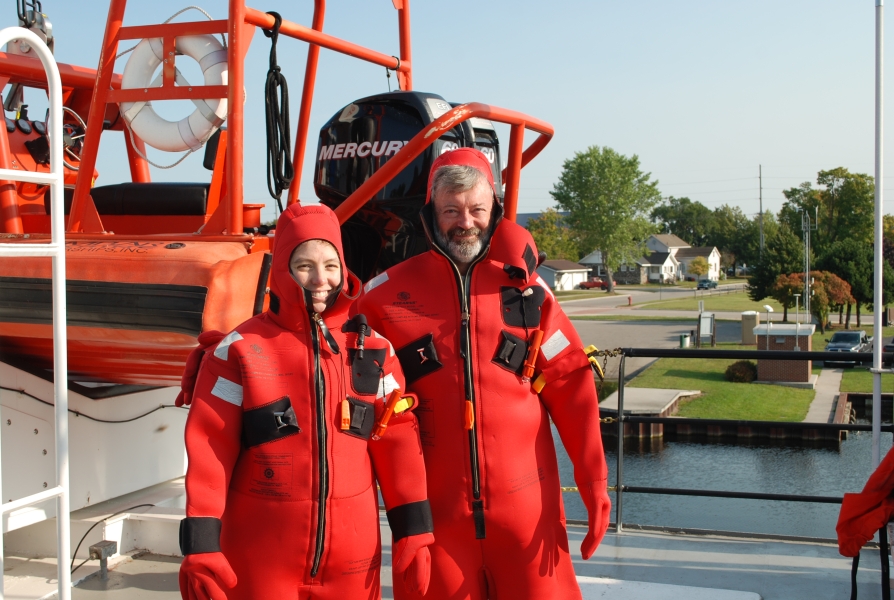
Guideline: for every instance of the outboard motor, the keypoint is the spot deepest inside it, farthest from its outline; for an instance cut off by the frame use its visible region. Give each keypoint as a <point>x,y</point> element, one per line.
<point>361,138</point>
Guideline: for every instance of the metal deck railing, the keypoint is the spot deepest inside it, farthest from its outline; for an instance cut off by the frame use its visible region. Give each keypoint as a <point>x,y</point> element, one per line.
<point>620,489</point>
<point>56,251</point>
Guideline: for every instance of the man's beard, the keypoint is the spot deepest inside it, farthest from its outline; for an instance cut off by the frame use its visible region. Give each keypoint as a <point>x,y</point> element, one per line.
<point>460,248</point>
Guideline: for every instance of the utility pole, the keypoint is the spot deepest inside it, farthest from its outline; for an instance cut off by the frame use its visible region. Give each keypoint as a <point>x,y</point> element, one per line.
<point>806,228</point>
<point>760,180</point>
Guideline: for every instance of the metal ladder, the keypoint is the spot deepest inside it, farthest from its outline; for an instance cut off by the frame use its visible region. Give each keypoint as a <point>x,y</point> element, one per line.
<point>56,250</point>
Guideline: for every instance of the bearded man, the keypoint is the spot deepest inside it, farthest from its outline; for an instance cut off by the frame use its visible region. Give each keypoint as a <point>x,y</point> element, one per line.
<point>466,319</point>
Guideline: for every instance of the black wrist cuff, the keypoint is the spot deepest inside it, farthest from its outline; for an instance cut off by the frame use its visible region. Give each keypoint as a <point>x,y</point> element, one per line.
<point>199,535</point>
<point>410,519</point>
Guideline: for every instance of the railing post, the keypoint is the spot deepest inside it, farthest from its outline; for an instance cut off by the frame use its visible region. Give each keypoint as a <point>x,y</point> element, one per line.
<point>56,250</point>
<point>619,494</point>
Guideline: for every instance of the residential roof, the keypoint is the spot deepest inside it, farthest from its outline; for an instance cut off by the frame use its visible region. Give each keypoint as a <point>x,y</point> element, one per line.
<point>693,252</point>
<point>670,240</point>
<point>523,218</point>
<point>563,265</point>
<point>656,258</point>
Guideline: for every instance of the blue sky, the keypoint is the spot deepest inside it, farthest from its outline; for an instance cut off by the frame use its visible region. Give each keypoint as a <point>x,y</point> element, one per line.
<point>703,92</point>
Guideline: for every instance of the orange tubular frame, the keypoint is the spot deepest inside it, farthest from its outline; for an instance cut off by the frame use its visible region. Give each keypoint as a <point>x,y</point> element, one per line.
<point>240,27</point>
<point>447,121</point>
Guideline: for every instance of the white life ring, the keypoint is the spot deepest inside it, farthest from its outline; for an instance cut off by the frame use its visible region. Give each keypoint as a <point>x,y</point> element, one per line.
<point>190,132</point>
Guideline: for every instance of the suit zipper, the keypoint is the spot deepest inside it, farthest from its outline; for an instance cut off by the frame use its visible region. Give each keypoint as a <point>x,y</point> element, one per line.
<point>464,282</point>
<point>466,343</point>
<point>320,390</point>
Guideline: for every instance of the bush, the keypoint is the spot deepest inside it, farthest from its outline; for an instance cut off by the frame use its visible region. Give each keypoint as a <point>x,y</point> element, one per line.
<point>743,371</point>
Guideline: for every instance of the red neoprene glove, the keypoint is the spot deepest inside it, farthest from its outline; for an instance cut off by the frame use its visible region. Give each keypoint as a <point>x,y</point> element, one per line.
<point>599,507</point>
<point>411,562</point>
<point>204,577</point>
<point>193,362</point>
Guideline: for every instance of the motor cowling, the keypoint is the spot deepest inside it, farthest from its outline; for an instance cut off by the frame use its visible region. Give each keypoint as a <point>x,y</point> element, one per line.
<point>359,140</point>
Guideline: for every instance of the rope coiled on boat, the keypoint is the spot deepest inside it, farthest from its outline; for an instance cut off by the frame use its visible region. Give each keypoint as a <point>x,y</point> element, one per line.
<point>280,171</point>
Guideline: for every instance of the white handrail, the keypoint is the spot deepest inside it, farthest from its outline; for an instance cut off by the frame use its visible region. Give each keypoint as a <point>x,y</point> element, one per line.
<point>56,250</point>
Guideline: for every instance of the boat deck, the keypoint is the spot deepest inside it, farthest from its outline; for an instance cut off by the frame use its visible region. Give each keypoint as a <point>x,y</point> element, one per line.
<point>634,564</point>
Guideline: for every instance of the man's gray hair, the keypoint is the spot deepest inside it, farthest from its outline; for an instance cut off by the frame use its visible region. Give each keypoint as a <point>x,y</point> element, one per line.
<point>456,179</point>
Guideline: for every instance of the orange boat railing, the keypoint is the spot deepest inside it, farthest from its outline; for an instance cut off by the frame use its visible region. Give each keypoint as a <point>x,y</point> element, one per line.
<point>227,221</point>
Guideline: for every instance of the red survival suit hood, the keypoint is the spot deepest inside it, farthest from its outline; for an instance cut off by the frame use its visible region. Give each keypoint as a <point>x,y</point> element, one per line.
<point>298,224</point>
<point>510,243</point>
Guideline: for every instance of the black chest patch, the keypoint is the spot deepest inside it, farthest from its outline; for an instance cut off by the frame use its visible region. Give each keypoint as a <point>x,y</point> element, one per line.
<point>366,372</point>
<point>272,421</point>
<point>511,352</point>
<point>363,417</point>
<point>418,358</point>
<point>519,310</point>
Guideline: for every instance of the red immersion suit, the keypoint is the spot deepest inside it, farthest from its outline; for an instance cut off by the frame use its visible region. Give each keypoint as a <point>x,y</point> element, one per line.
<point>494,488</point>
<point>273,470</point>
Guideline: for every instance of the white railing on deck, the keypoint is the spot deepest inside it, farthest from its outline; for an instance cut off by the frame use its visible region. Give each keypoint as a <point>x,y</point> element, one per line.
<point>56,250</point>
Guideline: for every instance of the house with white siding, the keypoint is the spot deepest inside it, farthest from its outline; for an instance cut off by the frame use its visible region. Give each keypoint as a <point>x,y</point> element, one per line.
<point>562,275</point>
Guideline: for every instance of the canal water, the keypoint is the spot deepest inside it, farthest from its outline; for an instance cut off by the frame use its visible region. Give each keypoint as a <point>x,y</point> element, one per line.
<point>820,470</point>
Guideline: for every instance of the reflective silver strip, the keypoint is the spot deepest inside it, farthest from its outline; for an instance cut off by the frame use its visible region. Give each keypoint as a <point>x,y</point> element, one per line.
<point>187,135</point>
<point>375,282</point>
<point>389,384</point>
<point>157,48</point>
<point>212,58</point>
<point>223,348</point>
<point>555,344</point>
<point>381,337</point>
<point>228,391</point>
<point>203,106</point>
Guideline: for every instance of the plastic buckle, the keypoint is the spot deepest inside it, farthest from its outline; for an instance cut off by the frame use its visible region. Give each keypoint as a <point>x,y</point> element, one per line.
<point>278,417</point>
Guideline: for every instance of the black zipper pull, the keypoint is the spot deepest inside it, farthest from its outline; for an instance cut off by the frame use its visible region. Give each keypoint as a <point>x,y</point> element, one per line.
<point>464,335</point>
<point>330,341</point>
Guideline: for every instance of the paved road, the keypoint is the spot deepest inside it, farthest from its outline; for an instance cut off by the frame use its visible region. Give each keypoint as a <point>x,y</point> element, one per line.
<point>644,334</point>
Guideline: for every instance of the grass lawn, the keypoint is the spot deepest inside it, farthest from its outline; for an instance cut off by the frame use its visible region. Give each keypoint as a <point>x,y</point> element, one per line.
<point>735,302</point>
<point>860,380</point>
<point>721,399</point>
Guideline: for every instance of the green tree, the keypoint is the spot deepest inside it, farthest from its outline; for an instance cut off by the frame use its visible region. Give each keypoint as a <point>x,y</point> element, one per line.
<point>842,209</point>
<point>698,266</point>
<point>852,261</point>
<point>688,220</point>
<point>728,231</point>
<point>608,199</point>
<point>784,254</point>
<point>888,226</point>
<point>553,236</point>
<point>750,243</point>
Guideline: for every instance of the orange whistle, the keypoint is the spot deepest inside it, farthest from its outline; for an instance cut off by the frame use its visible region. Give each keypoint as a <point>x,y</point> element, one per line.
<point>345,415</point>
<point>382,423</point>
<point>470,414</point>
<point>533,350</point>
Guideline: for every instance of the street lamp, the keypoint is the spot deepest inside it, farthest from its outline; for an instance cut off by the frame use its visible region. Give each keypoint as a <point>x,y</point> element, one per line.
<point>797,323</point>
<point>769,309</point>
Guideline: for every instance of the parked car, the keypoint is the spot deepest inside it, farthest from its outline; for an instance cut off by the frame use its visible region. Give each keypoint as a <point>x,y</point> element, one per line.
<point>848,341</point>
<point>592,283</point>
<point>706,284</point>
<point>889,347</point>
